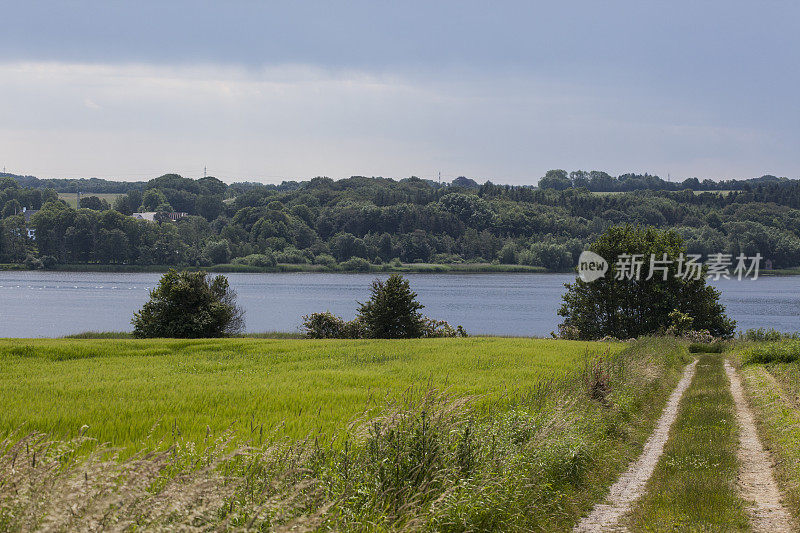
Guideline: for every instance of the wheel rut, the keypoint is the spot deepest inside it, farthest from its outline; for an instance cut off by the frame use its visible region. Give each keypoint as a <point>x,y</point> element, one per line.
<point>756,480</point>
<point>631,484</point>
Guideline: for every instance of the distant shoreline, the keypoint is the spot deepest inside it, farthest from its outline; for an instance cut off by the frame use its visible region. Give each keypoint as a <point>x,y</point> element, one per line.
<point>410,268</point>
<point>416,268</point>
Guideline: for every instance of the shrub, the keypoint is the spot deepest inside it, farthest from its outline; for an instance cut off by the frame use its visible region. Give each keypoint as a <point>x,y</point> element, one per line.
<point>33,263</point>
<point>553,257</point>
<point>508,254</point>
<point>329,326</point>
<point>325,259</point>
<point>702,336</point>
<point>189,305</point>
<point>392,312</point>
<point>433,328</point>
<point>356,264</point>
<point>323,326</point>
<point>679,323</point>
<point>703,347</point>
<point>597,379</point>
<point>292,256</point>
<point>217,252</point>
<point>776,352</point>
<point>446,259</point>
<point>48,261</point>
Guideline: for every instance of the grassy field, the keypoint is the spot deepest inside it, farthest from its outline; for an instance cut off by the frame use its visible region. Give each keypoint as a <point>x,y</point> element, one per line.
<point>72,198</point>
<point>122,388</point>
<point>530,435</point>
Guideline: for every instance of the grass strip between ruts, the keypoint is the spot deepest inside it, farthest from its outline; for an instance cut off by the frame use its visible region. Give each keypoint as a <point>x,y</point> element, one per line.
<point>694,485</point>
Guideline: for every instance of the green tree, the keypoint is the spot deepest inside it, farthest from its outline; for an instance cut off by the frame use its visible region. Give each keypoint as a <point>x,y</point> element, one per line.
<point>12,207</point>
<point>94,202</point>
<point>113,246</point>
<point>555,179</point>
<point>129,203</point>
<point>14,237</point>
<point>151,199</point>
<point>508,254</point>
<point>626,308</point>
<point>392,311</point>
<point>189,305</point>
<point>217,252</point>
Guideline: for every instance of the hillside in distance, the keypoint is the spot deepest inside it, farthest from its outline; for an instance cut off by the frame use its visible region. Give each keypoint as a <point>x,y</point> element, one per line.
<point>360,222</point>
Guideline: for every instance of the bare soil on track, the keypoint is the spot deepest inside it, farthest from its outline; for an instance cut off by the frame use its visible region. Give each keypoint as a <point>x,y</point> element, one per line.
<point>756,479</point>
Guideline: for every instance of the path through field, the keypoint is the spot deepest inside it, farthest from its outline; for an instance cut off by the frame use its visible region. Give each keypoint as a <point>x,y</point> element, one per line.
<point>630,486</point>
<point>756,485</point>
<point>756,481</point>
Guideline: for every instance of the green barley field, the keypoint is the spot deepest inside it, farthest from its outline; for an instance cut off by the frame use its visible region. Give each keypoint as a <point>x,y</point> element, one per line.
<point>127,390</point>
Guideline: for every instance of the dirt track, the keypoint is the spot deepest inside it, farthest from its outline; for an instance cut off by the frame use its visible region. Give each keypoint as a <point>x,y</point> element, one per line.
<point>630,485</point>
<point>756,482</point>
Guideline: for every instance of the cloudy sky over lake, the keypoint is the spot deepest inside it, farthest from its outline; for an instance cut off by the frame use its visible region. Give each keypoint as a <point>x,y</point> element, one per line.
<point>492,90</point>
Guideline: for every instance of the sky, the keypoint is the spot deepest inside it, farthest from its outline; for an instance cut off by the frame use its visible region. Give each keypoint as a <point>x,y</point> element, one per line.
<point>500,91</point>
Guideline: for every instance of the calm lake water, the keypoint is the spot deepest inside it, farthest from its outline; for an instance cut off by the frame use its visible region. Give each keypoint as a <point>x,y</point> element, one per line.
<point>50,304</point>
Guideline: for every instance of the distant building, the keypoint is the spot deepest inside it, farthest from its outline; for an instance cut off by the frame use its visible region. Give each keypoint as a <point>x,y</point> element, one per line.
<point>28,213</point>
<point>150,216</point>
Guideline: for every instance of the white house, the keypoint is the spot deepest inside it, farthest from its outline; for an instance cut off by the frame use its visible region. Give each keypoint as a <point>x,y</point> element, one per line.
<point>150,216</point>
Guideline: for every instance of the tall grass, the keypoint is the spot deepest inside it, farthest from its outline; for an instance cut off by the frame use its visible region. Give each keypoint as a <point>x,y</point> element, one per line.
<point>129,335</point>
<point>767,335</point>
<point>532,459</point>
<point>101,335</point>
<point>787,351</point>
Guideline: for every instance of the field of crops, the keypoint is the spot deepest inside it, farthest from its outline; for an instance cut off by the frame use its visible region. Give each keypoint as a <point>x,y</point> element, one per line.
<point>122,389</point>
<point>72,198</point>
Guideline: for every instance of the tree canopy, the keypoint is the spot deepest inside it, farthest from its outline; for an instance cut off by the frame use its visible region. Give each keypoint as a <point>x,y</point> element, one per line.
<point>626,305</point>
<point>189,305</point>
<point>377,220</point>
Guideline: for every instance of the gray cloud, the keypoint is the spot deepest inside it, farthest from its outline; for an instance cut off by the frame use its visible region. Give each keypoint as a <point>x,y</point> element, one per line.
<point>492,90</point>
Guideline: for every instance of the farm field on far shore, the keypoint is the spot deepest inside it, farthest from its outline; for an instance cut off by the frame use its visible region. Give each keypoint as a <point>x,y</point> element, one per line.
<point>121,389</point>
<point>72,198</point>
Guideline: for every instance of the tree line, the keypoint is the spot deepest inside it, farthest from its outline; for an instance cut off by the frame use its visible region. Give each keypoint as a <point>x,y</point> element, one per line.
<point>355,222</point>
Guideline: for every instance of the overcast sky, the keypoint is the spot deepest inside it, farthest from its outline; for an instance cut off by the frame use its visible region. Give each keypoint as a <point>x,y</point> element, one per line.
<point>492,90</point>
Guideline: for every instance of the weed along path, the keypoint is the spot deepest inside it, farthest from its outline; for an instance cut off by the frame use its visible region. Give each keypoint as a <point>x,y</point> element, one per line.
<point>756,480</point>
<point>630,486</point>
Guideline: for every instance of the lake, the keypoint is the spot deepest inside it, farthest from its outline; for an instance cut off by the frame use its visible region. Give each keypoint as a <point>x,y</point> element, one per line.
<point>51,304</point>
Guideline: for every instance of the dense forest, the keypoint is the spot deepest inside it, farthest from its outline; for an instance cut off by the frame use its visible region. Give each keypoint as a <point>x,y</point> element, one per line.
<point>352,223</point>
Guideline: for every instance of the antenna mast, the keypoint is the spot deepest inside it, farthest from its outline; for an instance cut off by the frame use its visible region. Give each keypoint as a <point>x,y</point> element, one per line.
<point>205,171</point>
